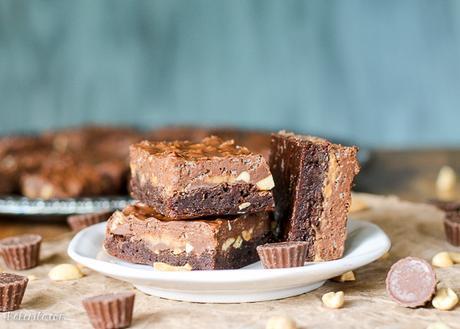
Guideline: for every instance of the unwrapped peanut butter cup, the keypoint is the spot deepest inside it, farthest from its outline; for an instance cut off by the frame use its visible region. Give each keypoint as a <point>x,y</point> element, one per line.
<point>21,252</point>
<point>283,254</point>
<point>411,282</point>
<point>12,288</point>
<point>80,221</point>
<point>111,311</point>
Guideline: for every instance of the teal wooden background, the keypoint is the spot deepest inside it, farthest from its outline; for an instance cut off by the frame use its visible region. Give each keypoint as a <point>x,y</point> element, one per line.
<point>381,73</point>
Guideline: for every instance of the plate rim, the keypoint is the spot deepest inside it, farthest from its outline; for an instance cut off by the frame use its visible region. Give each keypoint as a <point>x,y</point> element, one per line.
<point>203,276</point>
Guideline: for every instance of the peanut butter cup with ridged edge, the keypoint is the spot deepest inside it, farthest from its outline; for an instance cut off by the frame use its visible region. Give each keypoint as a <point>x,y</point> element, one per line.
<point>283,254</point>
<point>21,252</point>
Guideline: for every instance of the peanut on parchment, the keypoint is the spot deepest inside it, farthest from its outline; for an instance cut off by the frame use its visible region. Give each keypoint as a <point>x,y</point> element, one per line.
<point>280,322</point>
<point>445,299</point>
<point>65,272</point>
<point>442,259</point>
<point>333,299</point>
<point>446,180</point>
<point>345,277</point>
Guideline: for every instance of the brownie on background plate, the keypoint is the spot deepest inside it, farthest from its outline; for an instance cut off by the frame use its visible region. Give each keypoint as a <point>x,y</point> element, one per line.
<point>313,179</point>
<point>184,180</point>
<point>140,235</point>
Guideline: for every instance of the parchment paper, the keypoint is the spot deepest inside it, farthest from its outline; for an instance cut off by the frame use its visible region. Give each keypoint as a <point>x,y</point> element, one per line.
<point>415,229</point>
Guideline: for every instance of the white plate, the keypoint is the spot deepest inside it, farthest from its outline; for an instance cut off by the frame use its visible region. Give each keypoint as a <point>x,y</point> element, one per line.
<point>366,242</point>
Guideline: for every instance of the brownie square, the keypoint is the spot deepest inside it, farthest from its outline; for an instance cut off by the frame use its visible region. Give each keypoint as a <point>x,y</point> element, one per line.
<point>70,178</point>
<point>313,180</point>
<point>184,180</point>
<point>140,235</point>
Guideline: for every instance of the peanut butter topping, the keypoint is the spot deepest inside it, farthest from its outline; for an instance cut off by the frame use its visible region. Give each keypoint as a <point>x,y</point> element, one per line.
<point>209,147</point>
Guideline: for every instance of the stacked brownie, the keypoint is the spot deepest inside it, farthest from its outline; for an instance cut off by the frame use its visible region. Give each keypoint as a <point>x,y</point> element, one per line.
<point>206,204</point>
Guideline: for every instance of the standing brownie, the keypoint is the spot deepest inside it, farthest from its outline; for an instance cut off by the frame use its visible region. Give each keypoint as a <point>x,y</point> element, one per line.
<point>139,235</point>
<point>313,180</point>
<point>189,180</point>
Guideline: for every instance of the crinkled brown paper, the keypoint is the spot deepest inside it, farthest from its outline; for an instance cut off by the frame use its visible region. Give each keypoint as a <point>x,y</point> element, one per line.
<point>415,229</point>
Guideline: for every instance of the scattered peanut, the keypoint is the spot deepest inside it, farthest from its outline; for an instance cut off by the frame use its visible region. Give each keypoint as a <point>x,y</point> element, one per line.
<point>345,277</point>
<point>442,259</point>
<point>333,299</point>
<point>266,184</point>
<point>455,256</point>
<point>159,266</point>
<point>438,325</point>
<point>280,322</point>
<point>65,272</point>
<point>445,299</point>
<point>446,180</point>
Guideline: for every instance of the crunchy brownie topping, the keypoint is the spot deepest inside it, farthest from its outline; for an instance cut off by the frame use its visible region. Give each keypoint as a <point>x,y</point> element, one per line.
<point>208,148</point>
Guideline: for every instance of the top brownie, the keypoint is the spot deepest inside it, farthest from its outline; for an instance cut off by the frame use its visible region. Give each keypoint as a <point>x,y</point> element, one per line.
<point>184,180</point>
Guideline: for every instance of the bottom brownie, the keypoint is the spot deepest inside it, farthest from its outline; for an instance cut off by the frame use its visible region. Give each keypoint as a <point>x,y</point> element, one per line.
<point>139,235</point>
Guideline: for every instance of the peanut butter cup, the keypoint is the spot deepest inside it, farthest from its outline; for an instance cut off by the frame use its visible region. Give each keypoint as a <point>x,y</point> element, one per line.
<point>81,221</point>
<point>12,288</point>
<point>283,254</point>
<point>451,220</point>
<point>411,282</point>
<point>110,311</point>
<point>21,252</point>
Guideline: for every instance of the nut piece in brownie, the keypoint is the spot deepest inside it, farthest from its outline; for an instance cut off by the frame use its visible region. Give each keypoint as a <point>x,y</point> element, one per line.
<point>139,235</point>
<point>184,180</point>
<point>313,180</point>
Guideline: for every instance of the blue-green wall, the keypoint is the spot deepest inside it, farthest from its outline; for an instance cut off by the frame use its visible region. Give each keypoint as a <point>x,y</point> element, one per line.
<point>376,72</point>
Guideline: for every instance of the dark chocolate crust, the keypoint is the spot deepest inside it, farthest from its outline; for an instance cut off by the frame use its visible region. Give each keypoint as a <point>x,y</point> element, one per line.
<point>224,199</point>
<point>137,252</point>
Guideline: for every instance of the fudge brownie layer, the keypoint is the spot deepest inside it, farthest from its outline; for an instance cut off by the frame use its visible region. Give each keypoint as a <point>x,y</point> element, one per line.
<point>313,180</point>
<point>139,235</point>
<point>189,180</point>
